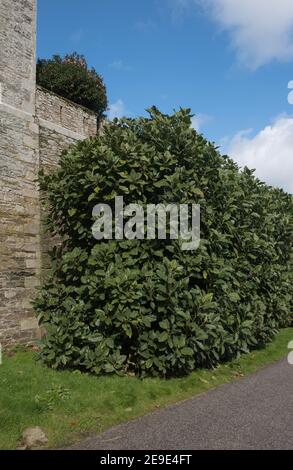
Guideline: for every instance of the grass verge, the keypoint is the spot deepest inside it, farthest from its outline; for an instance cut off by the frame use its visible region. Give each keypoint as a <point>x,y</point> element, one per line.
<point>69,405</point>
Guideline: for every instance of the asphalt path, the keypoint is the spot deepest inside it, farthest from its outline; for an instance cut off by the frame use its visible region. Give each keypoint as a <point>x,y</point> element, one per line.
<point>255,412</point>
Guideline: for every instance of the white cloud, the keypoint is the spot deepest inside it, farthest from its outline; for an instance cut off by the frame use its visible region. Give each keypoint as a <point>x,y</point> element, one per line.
<point>199,120</point>
<point>260,30</point>
<point>290,96</point>
<point>270,152</point>
<point>116,110</point>
<point>119,65</point>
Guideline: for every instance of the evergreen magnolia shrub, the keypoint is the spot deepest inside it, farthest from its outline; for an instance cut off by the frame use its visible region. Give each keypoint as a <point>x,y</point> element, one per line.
<point>71,78</point>
<point>145,306</point>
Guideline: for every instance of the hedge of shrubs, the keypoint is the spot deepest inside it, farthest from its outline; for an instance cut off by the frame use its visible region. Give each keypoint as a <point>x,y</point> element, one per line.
<point>145,306</point>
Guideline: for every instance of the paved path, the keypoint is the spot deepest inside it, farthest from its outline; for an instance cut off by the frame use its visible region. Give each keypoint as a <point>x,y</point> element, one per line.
<point>255,412</point>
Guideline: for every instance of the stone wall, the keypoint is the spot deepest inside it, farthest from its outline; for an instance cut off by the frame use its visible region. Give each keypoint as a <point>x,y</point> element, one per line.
<point>65,114</point>
<point>28,143</point>
<point>35,126</point>
<point>20,228</point>
<point>19,162</point>
<point>17,53</point>
<point>61,124</point>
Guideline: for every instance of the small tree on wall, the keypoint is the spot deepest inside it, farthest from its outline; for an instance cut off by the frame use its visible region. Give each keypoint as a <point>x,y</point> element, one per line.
<point>70,77</point>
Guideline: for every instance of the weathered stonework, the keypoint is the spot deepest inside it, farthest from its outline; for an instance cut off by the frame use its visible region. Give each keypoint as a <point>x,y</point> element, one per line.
<point>61,124</point>
<point>18,53</point>
<point>35,126</point>
<point>65,114</point>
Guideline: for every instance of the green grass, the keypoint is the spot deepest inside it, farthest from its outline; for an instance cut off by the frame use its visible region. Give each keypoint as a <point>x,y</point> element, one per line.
<point>95,403</point>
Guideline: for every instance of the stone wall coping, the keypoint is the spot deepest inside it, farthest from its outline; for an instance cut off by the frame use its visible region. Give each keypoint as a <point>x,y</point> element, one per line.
<point>7,108</point>
<point>61,130</point>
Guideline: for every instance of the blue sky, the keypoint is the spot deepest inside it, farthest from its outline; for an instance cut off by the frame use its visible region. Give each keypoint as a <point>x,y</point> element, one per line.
<point>230,63</point>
